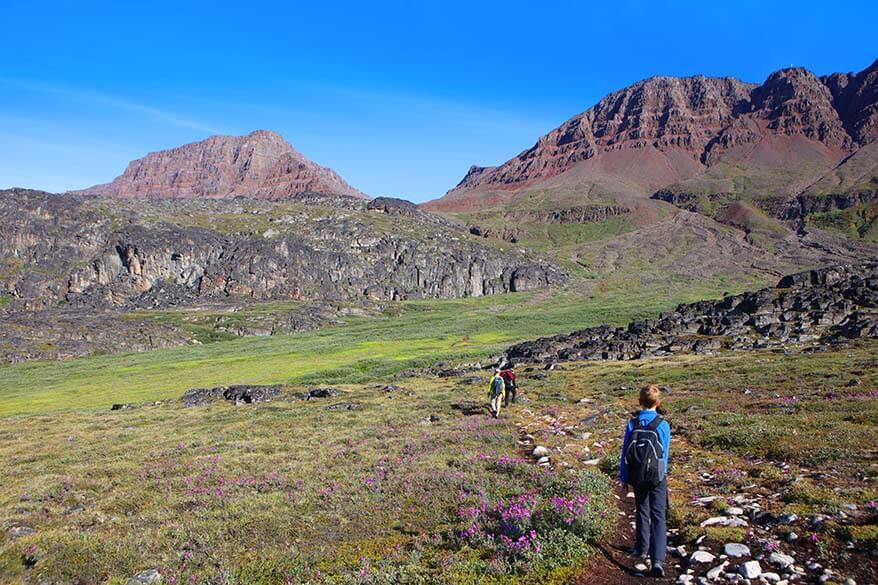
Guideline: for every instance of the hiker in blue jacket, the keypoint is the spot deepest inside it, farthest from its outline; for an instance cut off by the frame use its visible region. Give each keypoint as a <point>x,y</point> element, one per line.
<point>644,467</point>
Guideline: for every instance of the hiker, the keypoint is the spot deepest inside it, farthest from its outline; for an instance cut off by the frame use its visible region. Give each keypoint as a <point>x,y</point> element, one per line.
<point>644,467</point>
<point>508,376</point>
<point>495,392</point>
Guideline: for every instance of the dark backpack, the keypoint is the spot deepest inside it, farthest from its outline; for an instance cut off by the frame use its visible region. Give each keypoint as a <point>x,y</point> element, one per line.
<point>643,457</point>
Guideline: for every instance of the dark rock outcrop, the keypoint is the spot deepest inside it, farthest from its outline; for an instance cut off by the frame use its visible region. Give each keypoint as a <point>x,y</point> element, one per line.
<point>239,394</point>
<point>143,254</point>
<point>822,306</point>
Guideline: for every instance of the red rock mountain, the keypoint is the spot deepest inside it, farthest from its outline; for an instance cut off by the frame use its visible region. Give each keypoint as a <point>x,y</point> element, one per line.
<point>698,132</point>
<point>260,165</point>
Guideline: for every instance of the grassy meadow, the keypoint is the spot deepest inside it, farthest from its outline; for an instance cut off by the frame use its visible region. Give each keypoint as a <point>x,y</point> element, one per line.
<point>406,489</point>
<point>409,334</point>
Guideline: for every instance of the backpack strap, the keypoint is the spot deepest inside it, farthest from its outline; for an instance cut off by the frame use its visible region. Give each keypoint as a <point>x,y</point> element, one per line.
<point>656,422</point>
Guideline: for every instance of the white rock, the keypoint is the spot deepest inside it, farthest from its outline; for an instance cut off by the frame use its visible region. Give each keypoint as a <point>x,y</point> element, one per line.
<point>734,549</point>
<point>792,536</point>
<point>849,581</point>
<point>591,461</point>
<point>715,572</point>
<point>780,560</point>
<point>751,569</point>
<point>641,567</point>
<point>770,577</point>
<point>543,460</point>
<point>148,577</point>
<point>540,452</point>
<point>733,511</point>
<point>701,556</point>
<point>685,579</point>
<point>724,521</point>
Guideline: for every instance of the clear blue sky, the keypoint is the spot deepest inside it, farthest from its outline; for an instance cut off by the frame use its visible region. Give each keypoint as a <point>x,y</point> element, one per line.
<point>399,97</point>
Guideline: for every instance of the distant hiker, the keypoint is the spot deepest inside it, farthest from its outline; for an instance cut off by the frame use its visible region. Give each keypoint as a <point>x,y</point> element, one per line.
<point>644,467</point>
<point>495,392</point>
<point>508,376</point>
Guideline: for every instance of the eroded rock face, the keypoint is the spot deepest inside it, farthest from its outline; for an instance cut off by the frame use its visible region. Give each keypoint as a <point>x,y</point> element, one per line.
<point>93,252</point>
<point>818,306</point>
<point>696,122</point>
<point>260,165</point>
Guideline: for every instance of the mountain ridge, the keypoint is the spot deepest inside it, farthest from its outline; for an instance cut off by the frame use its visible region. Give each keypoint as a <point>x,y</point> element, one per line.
<point>259,165</point>
<point>684,127</point>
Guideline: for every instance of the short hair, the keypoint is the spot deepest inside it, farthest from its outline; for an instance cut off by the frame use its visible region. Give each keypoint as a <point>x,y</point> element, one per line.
<point>650,396</point>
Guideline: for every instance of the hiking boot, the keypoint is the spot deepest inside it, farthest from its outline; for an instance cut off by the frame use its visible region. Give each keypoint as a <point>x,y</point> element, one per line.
<point>658,570</point>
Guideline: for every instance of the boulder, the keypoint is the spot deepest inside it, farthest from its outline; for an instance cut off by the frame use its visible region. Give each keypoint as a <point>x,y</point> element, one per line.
<point>701,556</point>
<point>750,569</point>
<point>736,550</point>
<point>780,560</point>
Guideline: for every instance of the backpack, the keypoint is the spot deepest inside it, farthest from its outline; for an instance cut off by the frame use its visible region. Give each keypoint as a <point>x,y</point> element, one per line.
<point>643,457</point>
<point>497,386</point>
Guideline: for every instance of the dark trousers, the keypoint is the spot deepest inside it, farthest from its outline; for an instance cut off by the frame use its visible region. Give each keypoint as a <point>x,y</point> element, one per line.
<point>510,395</point>
<point>651,521</point>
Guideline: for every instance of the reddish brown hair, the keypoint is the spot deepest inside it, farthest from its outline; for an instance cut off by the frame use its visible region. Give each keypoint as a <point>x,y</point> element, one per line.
<point>650,396</point>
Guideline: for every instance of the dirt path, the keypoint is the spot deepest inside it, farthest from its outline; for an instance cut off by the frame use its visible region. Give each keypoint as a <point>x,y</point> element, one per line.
<point>613,564</point>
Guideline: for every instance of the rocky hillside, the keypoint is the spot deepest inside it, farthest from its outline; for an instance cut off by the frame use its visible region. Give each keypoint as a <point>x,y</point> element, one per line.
<point>260,165</point>
<point>700,137</point>
<point>168,252</point>
<point>815,307</point>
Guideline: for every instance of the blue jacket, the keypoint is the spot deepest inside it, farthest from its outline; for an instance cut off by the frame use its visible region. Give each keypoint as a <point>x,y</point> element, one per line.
<point>664,432</point>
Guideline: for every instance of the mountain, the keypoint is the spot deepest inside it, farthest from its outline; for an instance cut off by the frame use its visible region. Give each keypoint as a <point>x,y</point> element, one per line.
<point>260,165</point>
<point>688,140</point>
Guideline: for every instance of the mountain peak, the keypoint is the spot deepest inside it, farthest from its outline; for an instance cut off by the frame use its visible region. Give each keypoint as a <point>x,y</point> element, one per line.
<point>261,165</point>
<point>664,129</point>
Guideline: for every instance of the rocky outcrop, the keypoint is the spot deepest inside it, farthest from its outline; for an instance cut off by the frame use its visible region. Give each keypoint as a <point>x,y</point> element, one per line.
<point>511,230</point>
<point>568,215</point>
<point>239,394</point>
<point>93,252</point>
<point>260,165</point>
<point>813,307</point>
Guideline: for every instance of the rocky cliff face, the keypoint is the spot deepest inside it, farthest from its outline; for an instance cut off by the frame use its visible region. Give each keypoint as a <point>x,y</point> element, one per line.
<point>676,128</point>
<point>260,165</point>
<point>139,253</point>
<point>805,309</point>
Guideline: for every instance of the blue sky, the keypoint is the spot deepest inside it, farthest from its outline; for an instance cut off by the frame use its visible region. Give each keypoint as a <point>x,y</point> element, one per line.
<point>399,97</point>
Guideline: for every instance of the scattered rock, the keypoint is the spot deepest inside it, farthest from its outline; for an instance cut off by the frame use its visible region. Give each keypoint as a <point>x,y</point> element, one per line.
<point>724,521</point>
<point>540,451</point>
<point>324,392</point>
<point>717,570</point>
<point>345,406</point>
<point>239,394</point>
<point>751,569</point>
<point>736,550</point>
<point>21,531</point>
<point>148,577</point>
<point>701,556</point>
<point>780,560</point>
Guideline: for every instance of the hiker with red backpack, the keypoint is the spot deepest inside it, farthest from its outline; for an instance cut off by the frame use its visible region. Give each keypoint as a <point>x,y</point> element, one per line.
<point>644,467</point>
<point>509,382</point>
